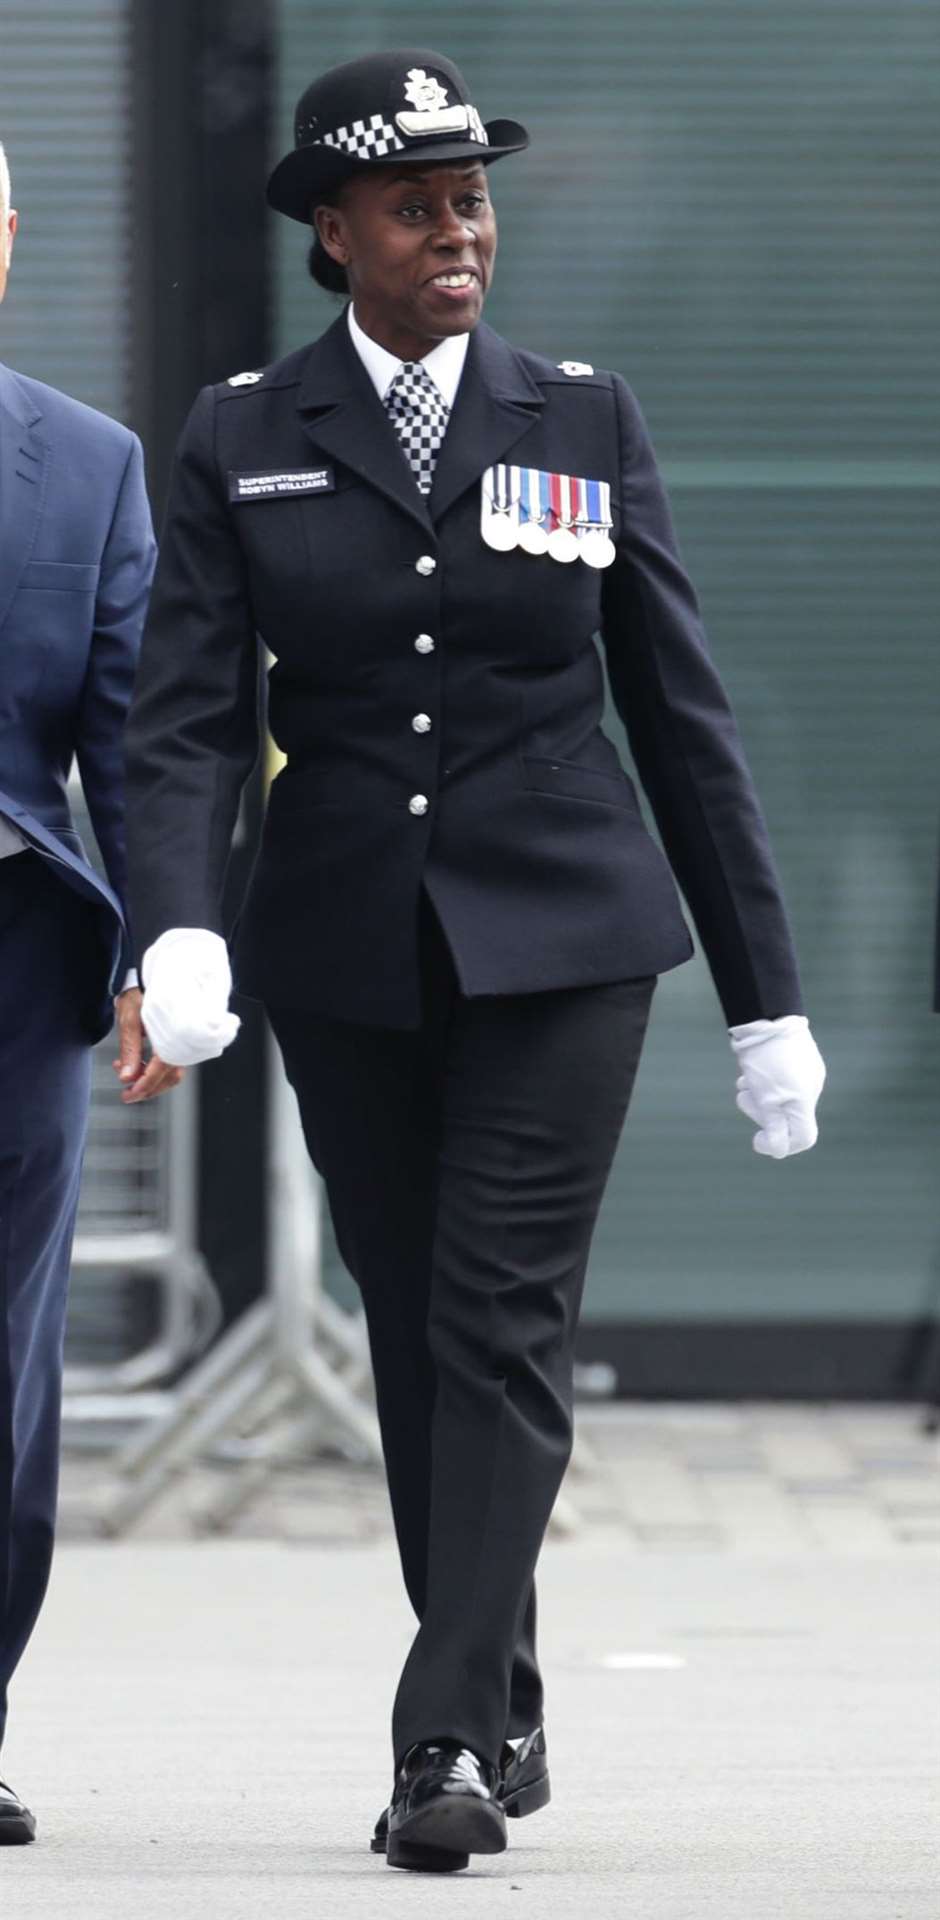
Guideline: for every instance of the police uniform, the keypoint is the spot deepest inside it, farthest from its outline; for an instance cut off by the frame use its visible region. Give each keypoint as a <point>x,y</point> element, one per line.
<point>439,704</point>
<point>457,913</point>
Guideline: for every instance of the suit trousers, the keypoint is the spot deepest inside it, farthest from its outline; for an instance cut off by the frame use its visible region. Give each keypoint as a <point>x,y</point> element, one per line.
<point>50,960</point>
<point>464,1164</point>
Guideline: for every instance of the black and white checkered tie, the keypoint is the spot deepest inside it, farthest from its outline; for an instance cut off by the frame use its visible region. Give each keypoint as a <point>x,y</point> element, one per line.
<point>419,417</point>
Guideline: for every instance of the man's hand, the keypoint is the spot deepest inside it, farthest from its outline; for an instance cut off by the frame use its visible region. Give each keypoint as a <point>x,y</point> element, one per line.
<point>138,1082</point>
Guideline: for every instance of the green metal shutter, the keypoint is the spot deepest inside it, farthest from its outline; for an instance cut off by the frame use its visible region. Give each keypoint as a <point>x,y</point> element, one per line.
<point>734,205</point>
<point>65,123</point>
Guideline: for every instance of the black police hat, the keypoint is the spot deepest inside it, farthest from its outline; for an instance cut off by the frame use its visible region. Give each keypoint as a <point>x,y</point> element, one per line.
<point>405,105</point>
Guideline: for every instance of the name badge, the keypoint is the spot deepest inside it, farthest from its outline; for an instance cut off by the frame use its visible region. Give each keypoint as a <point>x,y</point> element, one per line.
<point>279,485</point>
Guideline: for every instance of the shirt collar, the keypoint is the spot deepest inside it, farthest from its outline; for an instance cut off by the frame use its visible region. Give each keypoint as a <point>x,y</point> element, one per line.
<point>444,363</point>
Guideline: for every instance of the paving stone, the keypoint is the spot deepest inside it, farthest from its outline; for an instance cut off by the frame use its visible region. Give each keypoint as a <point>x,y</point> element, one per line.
<point>754,1512</point>
<point>848,1526</point>
<point>733,1460</point>
<point>894,1492</point>
<point>776,1476</point>
<point>662,1493</point>
<point>806,1452</point>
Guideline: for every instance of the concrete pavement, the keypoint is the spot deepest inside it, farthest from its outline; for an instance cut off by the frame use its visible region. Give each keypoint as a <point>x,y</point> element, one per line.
<point>203,1732</point>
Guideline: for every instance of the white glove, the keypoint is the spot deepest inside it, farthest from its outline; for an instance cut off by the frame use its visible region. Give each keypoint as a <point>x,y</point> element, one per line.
<point>780,1080</point>
<point>187,982</point>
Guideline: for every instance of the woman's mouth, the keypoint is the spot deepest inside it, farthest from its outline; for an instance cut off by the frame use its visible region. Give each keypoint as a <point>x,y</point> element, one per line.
<point>453,282</point>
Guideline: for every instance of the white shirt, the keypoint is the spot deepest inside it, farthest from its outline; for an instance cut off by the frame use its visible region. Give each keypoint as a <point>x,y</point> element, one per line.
<point>11,840</point>
<point>444,363</point>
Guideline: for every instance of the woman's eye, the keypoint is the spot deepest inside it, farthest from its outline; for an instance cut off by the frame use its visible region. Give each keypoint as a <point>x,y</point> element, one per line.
<point>471,203</point>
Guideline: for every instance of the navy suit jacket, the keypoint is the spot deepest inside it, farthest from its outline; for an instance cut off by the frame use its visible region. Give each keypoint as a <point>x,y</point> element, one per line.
<point>532,842</point>
<point>76,561</point>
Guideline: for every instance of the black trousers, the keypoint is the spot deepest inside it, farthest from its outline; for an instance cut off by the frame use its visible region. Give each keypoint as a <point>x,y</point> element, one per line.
<point>50,963</point>
<point>464,1165</point>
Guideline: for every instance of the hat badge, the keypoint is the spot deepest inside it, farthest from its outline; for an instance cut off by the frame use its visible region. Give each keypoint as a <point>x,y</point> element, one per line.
<point>424,91</point>
<point>431,111</point>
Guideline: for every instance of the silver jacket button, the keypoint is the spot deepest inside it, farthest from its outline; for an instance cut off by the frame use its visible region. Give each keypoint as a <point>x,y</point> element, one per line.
<point>422,723</point>
<point>424,643</point>
<point>418,803</point>
<point>426,564</point>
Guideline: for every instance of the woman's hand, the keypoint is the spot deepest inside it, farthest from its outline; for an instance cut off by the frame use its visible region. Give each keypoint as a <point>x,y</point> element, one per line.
<point>781,1076</point>
<point>138,1082</point>
<point>187,982</point>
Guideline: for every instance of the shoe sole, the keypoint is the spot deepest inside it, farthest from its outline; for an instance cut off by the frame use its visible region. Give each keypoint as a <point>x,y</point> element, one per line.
<point>404,1853</point>
<point>527,1799</point>
<point>414,1853</point>
<point>453,1826</point>
<point>17,1830</point>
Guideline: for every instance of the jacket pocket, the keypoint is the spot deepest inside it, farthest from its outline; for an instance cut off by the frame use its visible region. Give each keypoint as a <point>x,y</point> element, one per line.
<point>574,782</point>
<point>59,576</point>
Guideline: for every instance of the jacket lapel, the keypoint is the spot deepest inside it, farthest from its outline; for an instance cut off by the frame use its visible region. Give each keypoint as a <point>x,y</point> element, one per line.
<point>496,404</point>
<point>23,467</point>
<point>343,414</point>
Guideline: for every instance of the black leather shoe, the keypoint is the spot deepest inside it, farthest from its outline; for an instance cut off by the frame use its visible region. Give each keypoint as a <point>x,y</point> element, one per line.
<point>524,1784</point>
<point>445,1806</point>
<point>17,1824</point>
<point>380,1833</point>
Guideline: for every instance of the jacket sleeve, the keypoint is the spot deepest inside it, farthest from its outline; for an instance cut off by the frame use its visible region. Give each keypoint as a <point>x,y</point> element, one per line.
<point>686,746</point>
<point>192,734</point>
<point>120,607</point>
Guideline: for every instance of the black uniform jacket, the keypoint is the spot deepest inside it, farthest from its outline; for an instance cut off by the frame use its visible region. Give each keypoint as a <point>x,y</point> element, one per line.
<point>532,843</point>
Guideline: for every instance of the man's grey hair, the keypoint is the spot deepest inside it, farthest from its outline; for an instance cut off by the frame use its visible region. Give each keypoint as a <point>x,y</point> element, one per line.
<point>5,188</point>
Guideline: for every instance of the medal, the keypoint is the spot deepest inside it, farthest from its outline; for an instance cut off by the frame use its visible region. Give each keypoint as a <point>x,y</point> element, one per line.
<point>533,504</point>
<point>499,508</point>
<point>595,544</point>
<point>597,548</point>
<point>565,516</point>
<point>533,538</point>
<point>562,542</point>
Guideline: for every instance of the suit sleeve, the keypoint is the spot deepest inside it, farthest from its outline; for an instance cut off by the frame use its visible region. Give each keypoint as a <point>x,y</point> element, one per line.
<point>192,735</point>
<point>686,746</point>
<point>121,604</point>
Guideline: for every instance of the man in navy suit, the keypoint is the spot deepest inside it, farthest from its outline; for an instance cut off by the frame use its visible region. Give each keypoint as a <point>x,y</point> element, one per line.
<point>76,559</point>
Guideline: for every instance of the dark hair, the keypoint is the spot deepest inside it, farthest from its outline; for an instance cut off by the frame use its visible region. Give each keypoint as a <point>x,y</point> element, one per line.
<point>326,271</point>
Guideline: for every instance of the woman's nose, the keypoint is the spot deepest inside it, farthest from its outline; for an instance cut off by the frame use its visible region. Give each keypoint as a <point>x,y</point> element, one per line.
<point>452,231</point>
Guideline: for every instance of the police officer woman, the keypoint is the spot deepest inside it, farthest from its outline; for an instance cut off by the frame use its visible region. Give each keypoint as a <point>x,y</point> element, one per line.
<point>457,914</point>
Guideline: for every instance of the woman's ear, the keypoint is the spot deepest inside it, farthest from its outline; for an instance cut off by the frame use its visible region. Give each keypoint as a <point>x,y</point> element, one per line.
<point>328,227</point>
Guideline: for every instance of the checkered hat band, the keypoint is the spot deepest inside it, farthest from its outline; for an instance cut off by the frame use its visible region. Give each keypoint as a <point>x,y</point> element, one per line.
<point>372,139</point>
<point>365,139</point>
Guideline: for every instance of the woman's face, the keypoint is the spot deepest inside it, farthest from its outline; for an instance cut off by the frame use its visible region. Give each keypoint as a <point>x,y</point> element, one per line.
<point>418,244</point>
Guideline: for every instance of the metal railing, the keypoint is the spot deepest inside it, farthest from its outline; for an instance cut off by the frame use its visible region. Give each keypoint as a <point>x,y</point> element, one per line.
<point>293,1366</point>
<point>136,1233</point>
<point>142,1302</point>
